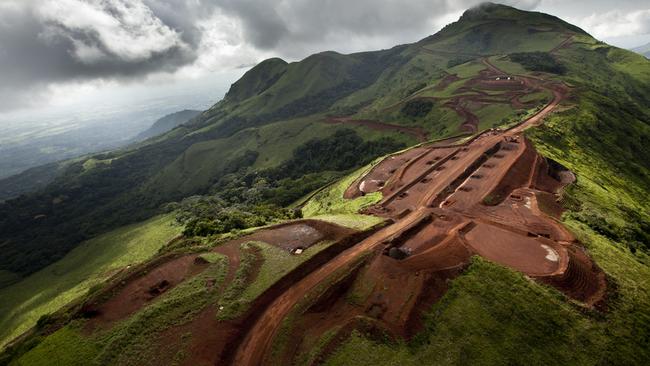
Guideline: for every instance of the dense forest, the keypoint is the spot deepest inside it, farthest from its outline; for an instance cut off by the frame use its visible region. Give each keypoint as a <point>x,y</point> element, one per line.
<point>56,215</point>
<point>538,61</point>
<point>245,198</point>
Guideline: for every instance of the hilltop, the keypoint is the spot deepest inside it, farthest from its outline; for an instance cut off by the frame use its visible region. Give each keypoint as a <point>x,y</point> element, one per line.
<point>474,197</point>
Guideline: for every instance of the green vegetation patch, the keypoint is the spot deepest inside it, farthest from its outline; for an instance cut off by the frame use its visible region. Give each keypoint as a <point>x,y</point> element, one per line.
<point>541,97</point>
<point>67,346</point>
<point>251,282</point>
<point>538,61</point>
<point>277,263</point>
<point>417,108</point>
<point>330,200</point>
<point>130,339</point>
<point>606,148</point>
<point>495,115</point>
<point>211,257</point>
<point>504,63</point>
<point>89,264</point>
<point>284,336</point>
<point>353,221</point>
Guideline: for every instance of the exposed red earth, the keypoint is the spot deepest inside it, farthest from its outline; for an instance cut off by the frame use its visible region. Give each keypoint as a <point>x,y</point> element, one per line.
<point>493,196</point>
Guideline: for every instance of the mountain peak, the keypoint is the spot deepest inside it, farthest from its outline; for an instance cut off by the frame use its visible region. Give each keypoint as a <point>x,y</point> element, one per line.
<point>487,18</point>
<point>488,10</point>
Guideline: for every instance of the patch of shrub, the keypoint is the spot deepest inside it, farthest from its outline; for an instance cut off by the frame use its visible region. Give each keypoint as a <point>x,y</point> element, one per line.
<point>417,108</point>
<point>459,60</point>
<point>538,61</point>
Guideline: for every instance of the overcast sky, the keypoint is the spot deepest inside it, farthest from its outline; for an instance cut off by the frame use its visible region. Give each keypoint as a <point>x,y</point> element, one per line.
<point>58,52</point>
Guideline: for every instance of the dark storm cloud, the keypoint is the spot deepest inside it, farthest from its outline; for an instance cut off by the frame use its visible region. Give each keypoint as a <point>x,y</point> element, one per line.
<point>45,42</point>
<point>182,15</point>
<point>263,26</point>
<point>292,23</point>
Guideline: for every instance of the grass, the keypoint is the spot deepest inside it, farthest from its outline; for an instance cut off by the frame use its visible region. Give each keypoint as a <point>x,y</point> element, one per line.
<point>393,85</point>
<point>465,71</point>
<point>211,257</point>
<point>494,316</point>
<point>92,163</point>
<point>309,358</point>
<point>542,97</point>
<point>605,148</point>
<point>330,201</point>
<point>361,289</point>
<point>92,262</point>
<point>66,347</point>
<point>195,170</point>
<point>282,339</point>
<point>352,221</point>
<point>129,340</point>
<point>230,304</point>
<point>508,66</point>
<point>276,263</point>
<point>494,115</point>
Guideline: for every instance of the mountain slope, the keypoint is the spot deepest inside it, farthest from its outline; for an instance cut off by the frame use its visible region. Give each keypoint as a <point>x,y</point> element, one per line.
<point>166,123</point>
<point>643,50</point>
<point>284,130</point>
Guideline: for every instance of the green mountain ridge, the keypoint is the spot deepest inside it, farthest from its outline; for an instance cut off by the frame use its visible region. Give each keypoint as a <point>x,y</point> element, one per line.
<point>643,50</point>
<point>167,123</point>
<point>286,130</point>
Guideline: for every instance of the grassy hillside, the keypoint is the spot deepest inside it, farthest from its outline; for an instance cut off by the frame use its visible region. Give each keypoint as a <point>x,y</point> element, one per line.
<point>273,141</point>
<point>89,264</point>
<point>167,123</point>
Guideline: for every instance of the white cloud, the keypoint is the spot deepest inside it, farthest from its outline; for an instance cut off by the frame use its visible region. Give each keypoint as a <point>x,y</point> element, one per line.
<point>617,24</point>
<point>122,28</point>
<point>223,46</point>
